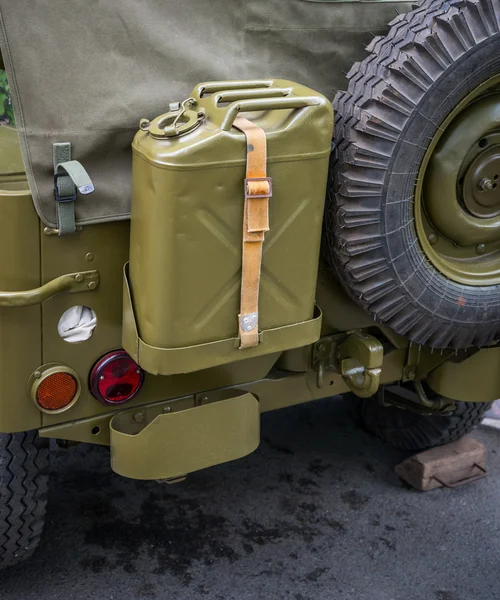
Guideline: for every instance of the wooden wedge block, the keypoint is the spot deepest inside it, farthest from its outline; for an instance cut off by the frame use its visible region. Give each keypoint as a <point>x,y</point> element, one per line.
<point>451,465</point>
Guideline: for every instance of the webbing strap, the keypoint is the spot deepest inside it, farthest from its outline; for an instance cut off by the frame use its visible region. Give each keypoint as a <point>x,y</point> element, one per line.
<point>69,176</point>
<point>258,190</point>
<point>64,188</point>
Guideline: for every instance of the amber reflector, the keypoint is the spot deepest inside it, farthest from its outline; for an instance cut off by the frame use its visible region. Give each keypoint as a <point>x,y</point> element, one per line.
<point>56,391</point>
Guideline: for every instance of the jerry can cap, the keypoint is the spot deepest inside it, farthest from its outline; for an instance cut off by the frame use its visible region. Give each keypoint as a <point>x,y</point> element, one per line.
<point>182,118</point>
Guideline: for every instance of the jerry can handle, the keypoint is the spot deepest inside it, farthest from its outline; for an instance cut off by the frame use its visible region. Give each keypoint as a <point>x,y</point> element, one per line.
<point>85,281</point>
<point>219,86</point>
<point>265,104</point>
<point>249,94</point>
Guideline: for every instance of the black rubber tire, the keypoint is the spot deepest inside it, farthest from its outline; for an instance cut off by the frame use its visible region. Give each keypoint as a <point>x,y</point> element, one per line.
<point>411,431</point>
<point>397,97</point>
<point>24,478</point>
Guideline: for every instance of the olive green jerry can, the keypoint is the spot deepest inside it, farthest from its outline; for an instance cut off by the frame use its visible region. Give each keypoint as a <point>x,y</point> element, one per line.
<point>192,269</point>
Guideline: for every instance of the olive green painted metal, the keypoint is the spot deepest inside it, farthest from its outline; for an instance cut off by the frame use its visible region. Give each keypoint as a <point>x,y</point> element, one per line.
<point>105,248</point>
<point>360,357</point>
<point>20,328</point>
<point>159,361</point>
<point>475,379</point>
<point>85,281</point>
<point>457,198</point>
<point>157,444</point>
<point>278,390</point>
<point>422,360</point>
<point>186,225</point>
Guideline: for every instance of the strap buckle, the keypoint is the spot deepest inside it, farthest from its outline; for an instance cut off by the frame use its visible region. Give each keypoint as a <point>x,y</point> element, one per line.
<point>59,198</point>
<point>252,179</point>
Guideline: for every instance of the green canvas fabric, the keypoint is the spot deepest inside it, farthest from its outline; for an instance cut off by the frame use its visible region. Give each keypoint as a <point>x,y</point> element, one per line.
<point>86,72</point>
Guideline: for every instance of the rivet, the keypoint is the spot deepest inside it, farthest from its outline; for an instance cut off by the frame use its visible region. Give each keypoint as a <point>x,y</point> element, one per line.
<point>79,277</point>
<point>167,409</point>
<point>480,248</point>
<point>432,238</point>
<point>139,417</point>
<point>89,257</point>
<point>102,378</point>
<point>37,374</point>
<point>79,228</point>
<point>92,285</point>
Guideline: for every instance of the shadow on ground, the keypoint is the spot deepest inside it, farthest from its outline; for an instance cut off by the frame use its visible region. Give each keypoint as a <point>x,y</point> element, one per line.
<point>316,512</point>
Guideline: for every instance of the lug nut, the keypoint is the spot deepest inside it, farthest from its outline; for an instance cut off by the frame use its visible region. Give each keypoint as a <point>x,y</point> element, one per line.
<point>432,238</point>
<point>480,249</point>
<point>485,185</point>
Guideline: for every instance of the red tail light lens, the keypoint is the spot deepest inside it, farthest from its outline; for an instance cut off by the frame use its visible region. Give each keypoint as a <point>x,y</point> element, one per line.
<point>116,378</point>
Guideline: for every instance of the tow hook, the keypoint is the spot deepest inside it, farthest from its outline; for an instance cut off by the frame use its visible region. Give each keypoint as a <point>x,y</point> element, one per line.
<point>360,358</point>
<point>357,357</point>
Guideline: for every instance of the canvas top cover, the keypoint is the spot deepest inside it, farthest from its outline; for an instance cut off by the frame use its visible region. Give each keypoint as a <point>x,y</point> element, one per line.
<point>86,71</point>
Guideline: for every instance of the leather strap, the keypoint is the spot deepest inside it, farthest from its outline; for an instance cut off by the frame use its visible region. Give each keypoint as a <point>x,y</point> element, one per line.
<point>258,190</point>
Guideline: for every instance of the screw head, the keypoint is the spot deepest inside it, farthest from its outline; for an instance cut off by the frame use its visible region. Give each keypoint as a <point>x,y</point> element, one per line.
<point>79,277</point>
<point>92,285</point>
<point>480,248</point>
<point>89,257</point>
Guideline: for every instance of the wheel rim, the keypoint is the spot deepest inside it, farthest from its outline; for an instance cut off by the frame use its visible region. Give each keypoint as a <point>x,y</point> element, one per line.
<point>457,196</point>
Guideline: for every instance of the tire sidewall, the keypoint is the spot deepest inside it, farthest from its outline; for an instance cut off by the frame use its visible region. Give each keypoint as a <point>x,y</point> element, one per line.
<point>419,279</point>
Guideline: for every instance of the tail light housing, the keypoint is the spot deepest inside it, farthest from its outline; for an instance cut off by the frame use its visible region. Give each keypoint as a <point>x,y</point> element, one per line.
<point>116,378</point>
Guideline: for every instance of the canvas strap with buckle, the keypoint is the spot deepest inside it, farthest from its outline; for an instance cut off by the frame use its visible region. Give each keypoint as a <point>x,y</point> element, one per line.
<point>69,178</point>
<point>258,190</point>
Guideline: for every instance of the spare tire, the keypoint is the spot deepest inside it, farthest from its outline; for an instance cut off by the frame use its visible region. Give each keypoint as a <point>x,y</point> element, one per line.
<point>412,224</point>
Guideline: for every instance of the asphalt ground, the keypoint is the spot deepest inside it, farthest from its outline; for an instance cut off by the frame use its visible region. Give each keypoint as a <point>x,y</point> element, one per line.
<point>316,513</point>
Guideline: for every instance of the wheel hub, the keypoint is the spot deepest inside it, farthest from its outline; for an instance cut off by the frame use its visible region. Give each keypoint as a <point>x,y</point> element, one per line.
<point>480,191</point>
<point>457,197</point>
